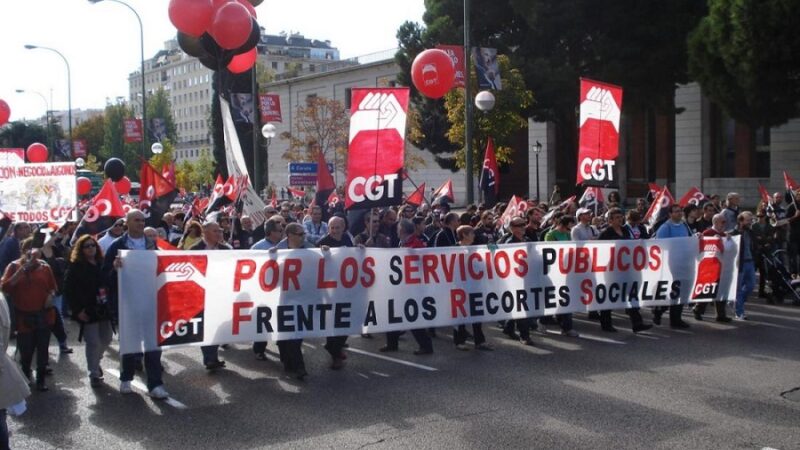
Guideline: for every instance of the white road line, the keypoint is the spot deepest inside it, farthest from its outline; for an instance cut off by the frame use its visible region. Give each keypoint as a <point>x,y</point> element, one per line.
<point>141,387</point>
<point>395,360</point>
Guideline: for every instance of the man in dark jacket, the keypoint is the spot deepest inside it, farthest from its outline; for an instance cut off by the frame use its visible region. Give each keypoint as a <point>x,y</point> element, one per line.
<point>133,239</point>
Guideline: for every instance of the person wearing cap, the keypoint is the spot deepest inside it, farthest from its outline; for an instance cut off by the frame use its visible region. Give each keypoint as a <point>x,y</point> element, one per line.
<point>523,326</point>
<point>584,230</point>
<point>112,233</point>
<point>212,240</point>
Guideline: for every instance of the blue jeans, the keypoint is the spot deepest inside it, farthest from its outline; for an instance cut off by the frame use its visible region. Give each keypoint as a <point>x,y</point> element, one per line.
<point>152,364</point>
<point>747,281</point>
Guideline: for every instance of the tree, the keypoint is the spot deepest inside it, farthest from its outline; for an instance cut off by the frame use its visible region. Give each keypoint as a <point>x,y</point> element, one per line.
<point>166,156</point>
<point>92,131</point>
<point>159,106</point>
<point>203,169</point>
<point>22,134</point>
<point>322,125</point>
<point>744,55</point>
<point>91,163</point>
<point>184,176</point>
<point>264,75</point>
<point>501,123</point>
<point>114,145</point>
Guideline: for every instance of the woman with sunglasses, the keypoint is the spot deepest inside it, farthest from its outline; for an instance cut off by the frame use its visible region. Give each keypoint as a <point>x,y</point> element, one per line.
<point>31,285</point>
<point>87,295</point>
<point>192,235</point>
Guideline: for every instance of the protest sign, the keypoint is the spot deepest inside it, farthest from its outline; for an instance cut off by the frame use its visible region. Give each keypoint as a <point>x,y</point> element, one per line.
<point>203,298</point>
<point>38,193</point>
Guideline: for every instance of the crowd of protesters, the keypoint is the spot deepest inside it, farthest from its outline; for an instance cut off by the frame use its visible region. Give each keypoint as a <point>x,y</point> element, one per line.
<point>47,280</point>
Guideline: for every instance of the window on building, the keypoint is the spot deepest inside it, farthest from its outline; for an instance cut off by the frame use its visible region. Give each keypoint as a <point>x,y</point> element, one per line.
<point>736,150</point>
<point>275,65</point>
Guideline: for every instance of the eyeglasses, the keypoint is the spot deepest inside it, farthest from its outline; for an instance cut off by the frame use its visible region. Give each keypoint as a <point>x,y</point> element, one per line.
<point>298,234</point>
<point>85,246</point>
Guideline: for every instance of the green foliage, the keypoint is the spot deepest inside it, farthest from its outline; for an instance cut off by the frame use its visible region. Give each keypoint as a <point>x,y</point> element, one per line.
<point>92,131</point>
<point>165,157</point>
<point>192,175</point>
<point>501,123</point>
<point>159,106</point>
<point>114,145</point>
<point>22,134</point>
<point>745,56</point>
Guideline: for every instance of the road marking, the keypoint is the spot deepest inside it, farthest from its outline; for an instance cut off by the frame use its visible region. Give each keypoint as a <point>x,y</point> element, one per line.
<point>600,339</point>
<point>395,360</point>
<point>141,387</point>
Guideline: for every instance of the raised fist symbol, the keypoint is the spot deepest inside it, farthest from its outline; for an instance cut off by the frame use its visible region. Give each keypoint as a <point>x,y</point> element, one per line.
<point>600,105</point>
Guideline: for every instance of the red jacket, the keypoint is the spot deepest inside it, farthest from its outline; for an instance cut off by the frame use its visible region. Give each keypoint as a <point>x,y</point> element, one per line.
<point>413,242</point>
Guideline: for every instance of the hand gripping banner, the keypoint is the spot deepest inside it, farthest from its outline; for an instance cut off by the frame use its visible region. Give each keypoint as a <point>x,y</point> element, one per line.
<point>170,298</point>
<point>598,146</point>
<point>377,141</point>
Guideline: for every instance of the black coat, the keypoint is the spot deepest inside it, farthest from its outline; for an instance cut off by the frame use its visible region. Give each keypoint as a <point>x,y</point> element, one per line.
<point>82,284</point>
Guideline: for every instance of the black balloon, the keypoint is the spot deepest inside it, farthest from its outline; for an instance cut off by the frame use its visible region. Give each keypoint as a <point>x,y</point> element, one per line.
<point>191,45</point>
<point>114,169</point>
<point>252,41</point>
<point>216,57</point>
<point>255,2</point>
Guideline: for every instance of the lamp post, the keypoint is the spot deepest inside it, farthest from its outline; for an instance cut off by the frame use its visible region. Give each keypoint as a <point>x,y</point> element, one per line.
<point>268,132</point>
<point>484,101</point>
<point>157,148</point>
<point>467,109</point>
<point>144,90</point>
<point>537,148</point>
<point>80,163</point>
<point>46,112</point>
<point>69,86</point>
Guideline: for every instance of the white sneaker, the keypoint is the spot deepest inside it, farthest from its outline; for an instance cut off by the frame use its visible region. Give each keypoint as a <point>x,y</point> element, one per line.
<point>570,333</point>
<point>742,317</point>
<point>159,393</point>
<point>125,387</point>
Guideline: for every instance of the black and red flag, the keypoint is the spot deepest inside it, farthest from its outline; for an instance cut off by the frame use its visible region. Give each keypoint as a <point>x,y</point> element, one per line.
<point>490,176</point>
<point>223,194</point>
<point>445,191</point>
<point>376,151</point>
<point>102,211</point>
<point>325,186</point>
<point>417,198</point>
<point>156,194</point>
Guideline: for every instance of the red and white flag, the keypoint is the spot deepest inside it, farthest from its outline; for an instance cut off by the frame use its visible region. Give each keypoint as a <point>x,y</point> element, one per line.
<point>516,207</point>
<point>694,196</point>
<point>274,201</point>
<point>296,193</point>
<point>598,146</point>
<point>333,200</point>
<point>376,151</point>
<point>444,191</point>
<point>662,201</point>
<point>417,197</point>
<point>790,184</point>
<point>456,53</point>
<point>102,211</point>
<point>133,130</point>
<point>764,195</point>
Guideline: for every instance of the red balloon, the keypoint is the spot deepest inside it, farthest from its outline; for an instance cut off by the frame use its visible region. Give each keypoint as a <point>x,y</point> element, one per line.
<point>37,153</point>
<point>84,185</point>
<point>123,186</point>
<point>5,112</point>
<point>231,26</point>
<point>433,73</point>
<point>243,63</point>
<point>192,17</point>
<point>250,8</point>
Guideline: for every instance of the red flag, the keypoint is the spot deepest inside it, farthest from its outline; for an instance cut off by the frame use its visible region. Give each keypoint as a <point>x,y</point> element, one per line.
<point>270,107</point>
<point>164,245</point>
<point>490,176</point>
<point>444,191</point>
<point>591,196</point>
<point>274,201</point>
<point>325,184</point>
<point>333,200</point>
<point>663,200</point>
<point>376,151</point>
<point>456,53</point>
<point>598,148</point>
<point>791,185</point>
<point>133,130</point>
<point>694,196</point>
<point>102,211</point>
<point>417,197</point>
<point>297,193</point>
<point>764,194</point>
<point>231,188</point>
<point>516,207</point>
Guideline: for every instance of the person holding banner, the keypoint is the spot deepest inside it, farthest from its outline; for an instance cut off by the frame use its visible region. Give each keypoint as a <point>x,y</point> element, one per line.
<point>466,236</point>
<point>335,238</point>
<point>408,239</point>
<point>717,230</point>
<point>523,326</point>
<point>273,235</point>
<point>371,236</point>
<point>133,239</point>
<point>617,232</point>
<point>674,227</point>
<point>85,291</point>
<point>212,240</point>
<point>747,268</point>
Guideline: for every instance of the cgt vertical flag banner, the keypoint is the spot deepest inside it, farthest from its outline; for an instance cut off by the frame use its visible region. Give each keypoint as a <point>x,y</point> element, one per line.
<point>270,107</point>
<point>133,130</point>
<point>598,146</point>
<point>376,152</point>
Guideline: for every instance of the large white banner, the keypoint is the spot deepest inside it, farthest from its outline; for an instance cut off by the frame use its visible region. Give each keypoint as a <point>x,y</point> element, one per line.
<point>38,193</point>
<point>214,297</point>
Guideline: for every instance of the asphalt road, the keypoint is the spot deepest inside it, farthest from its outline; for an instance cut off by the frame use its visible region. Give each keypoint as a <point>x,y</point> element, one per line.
<point>712,386</point>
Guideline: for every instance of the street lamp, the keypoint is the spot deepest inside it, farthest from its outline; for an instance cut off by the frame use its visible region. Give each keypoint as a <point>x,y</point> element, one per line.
<point>141,41</point>
<point>79,163</point>
<point>46,111</point>
<point>268,131</point>
<point>537,148</point>
<point>157,148</point>
<point>485,101</point>
<point>69,85</point>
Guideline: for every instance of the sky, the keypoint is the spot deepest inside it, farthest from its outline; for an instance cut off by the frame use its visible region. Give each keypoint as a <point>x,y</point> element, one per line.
<point>101,42</point>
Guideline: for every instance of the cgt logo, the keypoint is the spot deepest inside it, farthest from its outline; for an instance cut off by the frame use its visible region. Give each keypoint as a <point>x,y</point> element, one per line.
<point>181,299</point>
